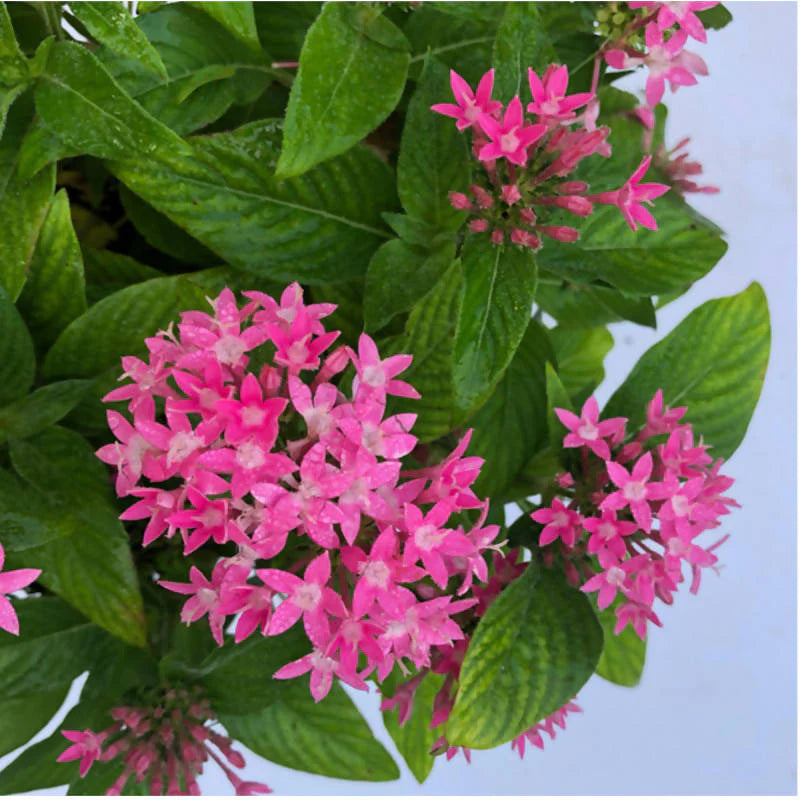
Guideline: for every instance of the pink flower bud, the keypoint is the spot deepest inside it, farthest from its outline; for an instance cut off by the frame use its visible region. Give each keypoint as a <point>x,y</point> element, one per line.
<point>497,236</point>
<point>577,205</point>
<point>572,187</point>
<point>485,200</point>
<point>565,480</point>
<point>460,201</point>
<point>510,194</point>
<point>528,216</point>
<point>561,233</point>
<point>525,239</point>
<point>478,225</point>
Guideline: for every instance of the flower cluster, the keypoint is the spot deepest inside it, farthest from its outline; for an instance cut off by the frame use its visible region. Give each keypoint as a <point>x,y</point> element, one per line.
<point>302,484</point>
<point>12,581</point>
<point>626,521</point>
<point>667,27</point>
<point>164,742</point>
<point>679,170</point>
<point>526,162</point>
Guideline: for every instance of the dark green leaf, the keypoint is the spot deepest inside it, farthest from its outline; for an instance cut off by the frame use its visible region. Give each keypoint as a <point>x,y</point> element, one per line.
<point>282,27</point>
<point>515,415</point>
<point>500,283</point>
<point>108,272</point>
<point>36,411</point>
<point>622,660</point>
<point>326,738</point>
<point>713,362</point>
<point>236,18</point>
<point>538,643</point>
<point>306,228</point>
<point>24,715</point>
<point>715,18</point>
<point>352,72</point>
<point>433,157</point>
<point>579,355</point>
<point>112,25</point>
<point>54,293</point>
<point>557,397</point>
<point>13,66</point>
<point>17,362</point>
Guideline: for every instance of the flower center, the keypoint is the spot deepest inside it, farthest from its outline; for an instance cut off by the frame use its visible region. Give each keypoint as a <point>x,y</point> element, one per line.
<point>635,491</point>
<point>307,596</point>
<point>509,142</point>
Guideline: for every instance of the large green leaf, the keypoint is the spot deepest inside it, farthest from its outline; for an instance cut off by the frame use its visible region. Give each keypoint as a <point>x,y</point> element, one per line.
<point>236,18</point>
<point>538,643</point>
<point>17,362</point>
<point>13,66</point>
<point>521,42</point>
<point>23,204</point>
<point>38,410</point>
<point>433,157</point>
<point>55,292</point>
<point>24,715</point>
<point>415,739</point>
<point>326,738</point>
<point>112,25</point>
<point>352,72</point>
<point>622,659</point>
<point>515,414</point>
<point>579,354</point>
<point>500,283</point>
<point>282,27</point>
<point>88,561</point>
<point>713,362</point>
<point>429,338</point>
<point>323,226</point>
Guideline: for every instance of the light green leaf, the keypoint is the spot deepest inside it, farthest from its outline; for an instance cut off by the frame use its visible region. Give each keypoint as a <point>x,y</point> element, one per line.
<point>713,362</point>
<point>24,715</point>
<point>13,66</point>
<point>622,659</point>
<point>113,26</point>
<point>579,355</point>
<point>55,291</point>
<point>500,283</point>
<point>515,414</point>
<point>89,563</point>
<point>534,649</point>
<point>433,158</point>
<point>557,397</point>
<point>715,18</point>
<point>236,18</point>
<point>17,361</point>
<point>306,228</point>
<point>352,72</point>
<point>326,738</point>
<point>35,412</point>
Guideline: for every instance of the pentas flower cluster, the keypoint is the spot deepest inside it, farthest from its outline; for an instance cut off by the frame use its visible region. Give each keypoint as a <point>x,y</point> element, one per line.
<point>163,744</point>
<point>299,488</point>
<point>12,581</point>
<point>666,27</point>
<point>523,188</point>
<point>626,522</point>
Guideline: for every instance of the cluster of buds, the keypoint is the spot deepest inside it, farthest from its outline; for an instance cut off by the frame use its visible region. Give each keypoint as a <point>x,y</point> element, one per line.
<point>164,743</point>
<point>12,581</point>
<point>304,483</point>
<point>680,171</point>
<point>522,187</point>
<point>626,520</point>
<point>666,59</point>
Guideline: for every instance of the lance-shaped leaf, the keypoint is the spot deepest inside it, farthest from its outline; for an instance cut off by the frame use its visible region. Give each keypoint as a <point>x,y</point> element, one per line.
<point>713,362</point>
<point>579,354</point>
<point>40,409</point>
<point>500,284</point>
<point>326,738</point>
<point>622,659</point>
<point>236,18</point>
<point>538,643</point>
<point>352,72</point>
<point>17,361</point>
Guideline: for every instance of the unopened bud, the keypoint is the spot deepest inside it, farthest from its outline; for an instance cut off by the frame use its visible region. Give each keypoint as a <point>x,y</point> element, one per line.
<point>460,201</point>
<point>478,225</point>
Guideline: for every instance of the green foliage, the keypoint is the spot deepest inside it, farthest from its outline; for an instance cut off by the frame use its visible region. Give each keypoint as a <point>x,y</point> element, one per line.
<point>622,659</point>
<point>579,354</point>
<point>535,647</point>
<point>17,362</point>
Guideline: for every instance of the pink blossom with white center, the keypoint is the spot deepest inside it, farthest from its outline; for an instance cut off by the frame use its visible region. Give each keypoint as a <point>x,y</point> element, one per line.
<point>660,419</point>
<point>254,604</point>
<point>511,138</point>
<point>607,584</point>
<point>637,615</point>
<point>298,349</point>
<point>635,490</point>
<point>291,305</point>
<point>550,100</point>
<point>681,14</point>
<point>559,522</point>
<point>132,455</point>
<point>12,581</point>
<point>469,106</point>
<point>204,600</point>
<point>87,746</point>
<point>157,506</point>
<point>322,669</point>
<point>607,540</point>
<point>208,519</point>
<point>588,431</point>
<point>317,412</point>
<point>374,374</point>
<point>251,415</point>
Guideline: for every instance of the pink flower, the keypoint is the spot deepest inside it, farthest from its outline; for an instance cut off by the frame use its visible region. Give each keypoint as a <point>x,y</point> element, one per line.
<point>469,106</point>
<point>681,14</point>
<point>512,138</point>
<point>638,615</point>
<point>630,196</point>
<point>11,582</point>
<point>378,375</point>
<point>559,522</point>
<point>607,540</point>
<point>608,583</point>
<point>322,669</point>
<point>87,747</point>
<point>547,725</point>
<point>588,431</point>
<point>635,490</point>
<point>251,415</point>
<point>205,598</point>
<point>550,100</point>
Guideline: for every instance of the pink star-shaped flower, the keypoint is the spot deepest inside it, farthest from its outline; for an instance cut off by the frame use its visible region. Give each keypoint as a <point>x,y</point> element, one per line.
<point>511,138</point>
<point>635,490</point>
<point>470,106</point>
<point>11,582</point>
<point>588,431</point>
<point>550,100</point>
<point>559,522</point>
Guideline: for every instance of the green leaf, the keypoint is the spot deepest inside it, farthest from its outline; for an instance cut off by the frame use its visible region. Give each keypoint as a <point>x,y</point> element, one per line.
<point>118,325</point>
<point>415,739</point>
<point>306,228</point>
<point>282,27</point>
<point>500,283</point>
<point>584,305</point>
<point>17,361</point>
<point>55,291</point>
<point>236,18</point>
<point>13,66</point>
<point>521,42</point>
<point>557,397</point>
<point>433,158</point>
<point>326,738</point>
<point>622,659</point>
<point>88,563</point>
<point>713,362</point>
<point>538,643</point>
<point>113,26</point>
<point>429,337</point>
<point>398,275</point>
<point>515,414</point>
<point>35,412</point>
<point>352,72</point>
<point>23,204</point>
<point>579,355</point>
<point>25,714</point>
<point>715,18</point>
